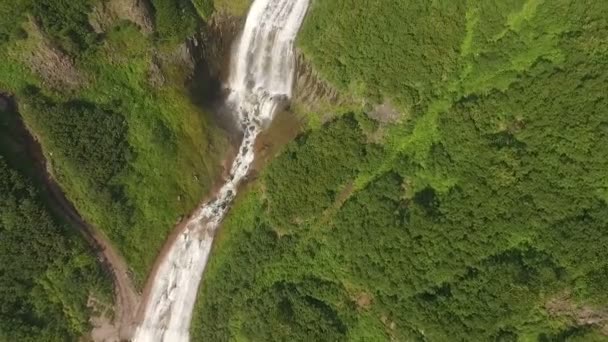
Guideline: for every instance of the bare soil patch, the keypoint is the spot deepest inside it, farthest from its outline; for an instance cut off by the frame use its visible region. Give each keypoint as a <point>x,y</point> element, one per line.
<point>564,305</point>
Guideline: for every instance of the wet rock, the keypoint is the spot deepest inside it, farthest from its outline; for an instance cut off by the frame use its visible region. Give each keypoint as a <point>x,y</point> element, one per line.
<point>214,44</point>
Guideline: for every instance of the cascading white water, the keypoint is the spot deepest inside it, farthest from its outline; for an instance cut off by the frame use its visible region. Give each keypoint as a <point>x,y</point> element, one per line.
<point>261,80</point>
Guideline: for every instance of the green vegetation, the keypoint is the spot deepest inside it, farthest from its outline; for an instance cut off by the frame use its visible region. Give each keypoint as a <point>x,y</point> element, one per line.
<point>234,7</point>
<point>128,146</point>
<point>204,7</point>
<point>122,137</point>
<point>481,216</point>
<point>46,273</point>
<point>175,19</point>
<point>87,135</point>
<point>66,22</point>
<point>368,49</point>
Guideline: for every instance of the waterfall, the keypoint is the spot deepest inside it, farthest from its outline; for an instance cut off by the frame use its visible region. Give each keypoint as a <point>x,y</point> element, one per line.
<point>261,80</point>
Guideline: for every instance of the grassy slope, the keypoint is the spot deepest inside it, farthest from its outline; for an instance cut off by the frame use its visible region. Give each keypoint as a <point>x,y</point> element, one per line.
<point>488,201</point>
<point>234,7</point>
<point>173,151</point>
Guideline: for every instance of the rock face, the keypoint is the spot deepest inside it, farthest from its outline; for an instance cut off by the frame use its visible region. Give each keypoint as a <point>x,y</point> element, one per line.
<point>214,44</point>
<point>209,52</point>
<point>55,67</point>
<point>310,89</point>
<point>107,12</point>
<point>156,78</point>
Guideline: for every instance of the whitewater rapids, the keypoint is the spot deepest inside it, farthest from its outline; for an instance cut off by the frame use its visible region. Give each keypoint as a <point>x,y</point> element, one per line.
<point>261,80</point>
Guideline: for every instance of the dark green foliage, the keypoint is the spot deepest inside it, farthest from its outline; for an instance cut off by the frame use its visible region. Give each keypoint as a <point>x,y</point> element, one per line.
<point>216,324</point>
<point>12,13</point>
<point>66,21</point>
<point>292,312</point>
<point>319,164</point>
<point>403,51</point>
<point>175,19</point>
<point>93,139</point>
<point>90,142</point>
<point>495,300</point>
<point>489,206</point>
<point>45,274</point>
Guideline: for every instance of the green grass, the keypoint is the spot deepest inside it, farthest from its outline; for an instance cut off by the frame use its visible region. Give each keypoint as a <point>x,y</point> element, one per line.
<point>47,271</point>
<point>177,153</point>
<point>234,7</point>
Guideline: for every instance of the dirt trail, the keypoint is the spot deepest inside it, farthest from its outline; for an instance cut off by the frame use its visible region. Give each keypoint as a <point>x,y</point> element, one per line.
<point>126,298</point>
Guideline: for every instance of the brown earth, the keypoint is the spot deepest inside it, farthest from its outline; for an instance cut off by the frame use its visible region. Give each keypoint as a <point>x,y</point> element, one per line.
<point>284,128</point>
<point>56,69</point>
<point>108,12</point>
<point>564,306</point>
<point>364,301</point>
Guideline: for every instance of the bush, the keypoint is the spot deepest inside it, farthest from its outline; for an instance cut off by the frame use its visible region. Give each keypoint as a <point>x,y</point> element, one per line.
<point>175,19</point>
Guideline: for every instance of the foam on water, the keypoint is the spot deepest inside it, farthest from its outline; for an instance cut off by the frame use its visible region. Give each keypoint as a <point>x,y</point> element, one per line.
<point>261,80</point>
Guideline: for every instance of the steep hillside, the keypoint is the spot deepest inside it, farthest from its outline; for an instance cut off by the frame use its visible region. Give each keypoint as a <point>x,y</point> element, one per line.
<point>50,281</point>
<point>103,85</point>
<point>478,213</point>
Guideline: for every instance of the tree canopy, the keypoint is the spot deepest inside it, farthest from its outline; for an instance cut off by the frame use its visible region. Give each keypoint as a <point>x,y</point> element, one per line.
<point>481,215</point>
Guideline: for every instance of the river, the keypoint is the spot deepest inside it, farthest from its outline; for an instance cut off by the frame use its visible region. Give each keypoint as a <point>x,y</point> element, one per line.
<point>260,82</point>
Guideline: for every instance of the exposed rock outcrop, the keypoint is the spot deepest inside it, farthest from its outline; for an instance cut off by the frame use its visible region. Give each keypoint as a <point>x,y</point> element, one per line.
<point>312,91</point>
<point>156,78</point>
<point>313,94</point>
<point>385,113</point>
<point>108,12</point>
<point>211,50</point>
<point>55,68</point>
<point>215,43</point>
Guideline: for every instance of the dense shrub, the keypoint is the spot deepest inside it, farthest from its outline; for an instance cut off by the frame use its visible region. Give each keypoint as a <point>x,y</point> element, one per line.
<point>46,276</point>
<point>485,208</point>
<point>175,19</point>
<point>67,22</point>
<point>91,138</point>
